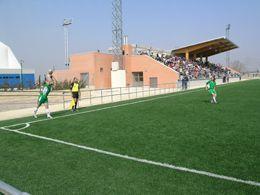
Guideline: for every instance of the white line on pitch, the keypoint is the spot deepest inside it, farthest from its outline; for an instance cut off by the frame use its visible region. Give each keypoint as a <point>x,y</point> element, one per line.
<point>106,108</point>
<point>165,165</point>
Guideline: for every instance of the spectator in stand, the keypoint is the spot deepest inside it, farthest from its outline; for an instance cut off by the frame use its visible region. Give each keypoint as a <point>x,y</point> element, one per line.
<point>224,78</point>
<point>192,68</point>
<point>228,76</point>
<point>196,71</point>
<point>158,57</point>
<point>185,80</point>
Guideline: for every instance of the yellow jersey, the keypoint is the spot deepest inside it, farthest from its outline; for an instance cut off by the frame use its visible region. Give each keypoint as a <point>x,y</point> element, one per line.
<point>75,87</point>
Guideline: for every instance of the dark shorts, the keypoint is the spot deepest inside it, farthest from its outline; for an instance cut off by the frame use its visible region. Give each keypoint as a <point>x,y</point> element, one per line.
<point>75,95</point>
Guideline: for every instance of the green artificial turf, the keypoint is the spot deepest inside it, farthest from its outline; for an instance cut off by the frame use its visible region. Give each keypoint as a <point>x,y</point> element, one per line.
<point>183,130</point>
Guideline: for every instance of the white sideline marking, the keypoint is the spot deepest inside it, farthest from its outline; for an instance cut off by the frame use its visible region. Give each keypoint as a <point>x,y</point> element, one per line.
<point>165,165</point>
<point>105,108</point>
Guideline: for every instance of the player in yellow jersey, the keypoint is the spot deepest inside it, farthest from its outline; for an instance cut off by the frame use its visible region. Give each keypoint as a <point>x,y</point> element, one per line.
<point>75,91</point>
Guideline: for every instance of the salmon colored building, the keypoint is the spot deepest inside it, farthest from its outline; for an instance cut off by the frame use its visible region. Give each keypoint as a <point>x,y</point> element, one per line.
<point>95,69</point>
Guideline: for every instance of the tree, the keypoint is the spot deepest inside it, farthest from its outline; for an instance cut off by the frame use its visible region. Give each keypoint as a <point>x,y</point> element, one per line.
<point>238,66</point>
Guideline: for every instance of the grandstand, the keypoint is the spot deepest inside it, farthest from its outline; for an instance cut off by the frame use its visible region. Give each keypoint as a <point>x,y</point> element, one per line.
<point>193,61</point>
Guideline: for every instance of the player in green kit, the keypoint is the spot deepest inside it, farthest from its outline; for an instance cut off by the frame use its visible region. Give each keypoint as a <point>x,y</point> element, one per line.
<point>211,87</point>
<point>43,97</point>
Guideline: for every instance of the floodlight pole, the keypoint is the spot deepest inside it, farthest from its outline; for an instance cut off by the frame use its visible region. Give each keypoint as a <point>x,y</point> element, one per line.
<point>117,32</point>
<point>227,37</point>
<point>21,74</point>
<point>66,23</point>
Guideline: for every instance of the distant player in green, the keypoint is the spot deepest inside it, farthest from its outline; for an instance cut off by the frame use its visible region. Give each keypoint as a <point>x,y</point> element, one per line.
<point>211,87</point>
<point>43,97</point>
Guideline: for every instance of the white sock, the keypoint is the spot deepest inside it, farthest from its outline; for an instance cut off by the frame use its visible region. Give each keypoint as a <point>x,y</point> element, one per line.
<point>214,99</point>
<point>48,112</point>
<point>36,110</point>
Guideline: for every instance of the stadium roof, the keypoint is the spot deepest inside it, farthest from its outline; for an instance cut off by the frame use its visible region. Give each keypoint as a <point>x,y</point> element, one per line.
<point>206,48</point>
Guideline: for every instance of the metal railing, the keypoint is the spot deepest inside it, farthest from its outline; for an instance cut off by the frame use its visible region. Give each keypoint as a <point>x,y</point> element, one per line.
<point>88,96</point>
<point>61,99</point>
<point>101,96</point>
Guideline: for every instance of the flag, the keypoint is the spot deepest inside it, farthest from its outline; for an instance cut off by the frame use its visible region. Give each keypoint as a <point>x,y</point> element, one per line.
<point>72,103</point>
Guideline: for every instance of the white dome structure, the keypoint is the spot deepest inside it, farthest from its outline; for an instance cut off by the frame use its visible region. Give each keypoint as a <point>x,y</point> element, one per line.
<point>12,75</point>
<point>7,58</point>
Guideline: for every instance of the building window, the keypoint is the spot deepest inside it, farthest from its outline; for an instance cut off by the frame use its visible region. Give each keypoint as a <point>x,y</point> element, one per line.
<point>138,78</point>
<point>84,77</point>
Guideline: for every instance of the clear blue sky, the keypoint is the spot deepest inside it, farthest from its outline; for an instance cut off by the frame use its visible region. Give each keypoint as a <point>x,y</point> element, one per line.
<point>32,28</point>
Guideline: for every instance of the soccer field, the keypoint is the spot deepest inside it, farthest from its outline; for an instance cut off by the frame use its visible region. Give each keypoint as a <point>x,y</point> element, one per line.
<point>172,144</point>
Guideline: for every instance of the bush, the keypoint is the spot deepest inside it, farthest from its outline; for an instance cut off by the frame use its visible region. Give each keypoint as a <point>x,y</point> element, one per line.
<point>65,85</point>
<point>5,86</point>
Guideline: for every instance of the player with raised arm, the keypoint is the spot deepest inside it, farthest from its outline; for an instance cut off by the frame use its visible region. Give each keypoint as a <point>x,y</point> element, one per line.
<point>211,87</point>
<point>49,82</point>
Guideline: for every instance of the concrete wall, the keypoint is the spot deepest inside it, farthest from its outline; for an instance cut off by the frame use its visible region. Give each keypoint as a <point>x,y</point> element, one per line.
<point>118,78</point>
<point>80,63</point>
<point>102,73</point>
<point>98,65</point>
<point>150,68</point>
